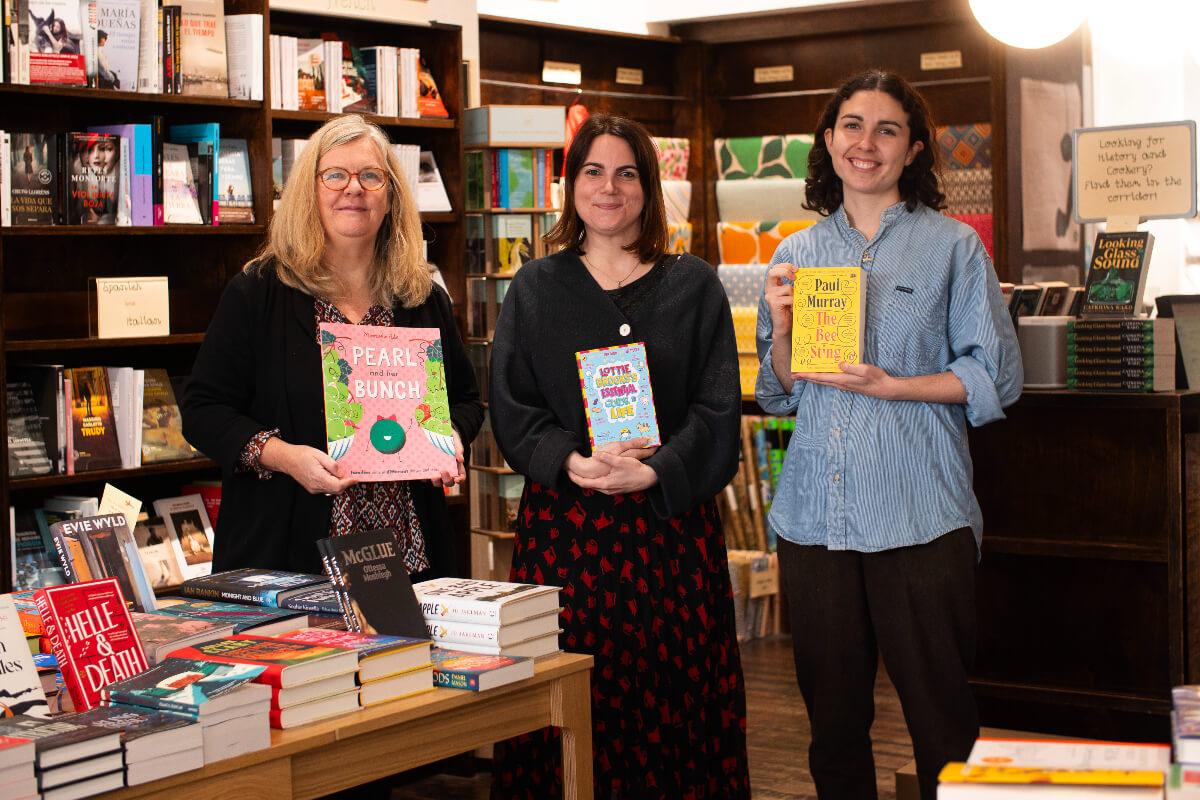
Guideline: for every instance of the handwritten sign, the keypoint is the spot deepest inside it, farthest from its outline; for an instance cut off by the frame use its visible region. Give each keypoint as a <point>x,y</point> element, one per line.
<point>562,72</point>
<point>1143,171</point>
<point>131,307</point>
<point>629,75</point>
<point>779,74</point>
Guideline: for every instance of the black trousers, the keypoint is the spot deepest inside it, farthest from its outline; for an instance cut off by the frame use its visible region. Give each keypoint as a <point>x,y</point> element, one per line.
<point>915,606</point>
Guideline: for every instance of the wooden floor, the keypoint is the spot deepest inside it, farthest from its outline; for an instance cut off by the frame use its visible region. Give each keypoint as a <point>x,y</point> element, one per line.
<point>778,735</point>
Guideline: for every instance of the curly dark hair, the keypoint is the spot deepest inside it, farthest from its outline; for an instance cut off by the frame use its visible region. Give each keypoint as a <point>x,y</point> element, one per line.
<point>918,182</point>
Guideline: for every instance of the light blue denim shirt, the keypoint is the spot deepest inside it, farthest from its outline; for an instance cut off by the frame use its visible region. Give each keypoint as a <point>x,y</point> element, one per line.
<point>868,474</point>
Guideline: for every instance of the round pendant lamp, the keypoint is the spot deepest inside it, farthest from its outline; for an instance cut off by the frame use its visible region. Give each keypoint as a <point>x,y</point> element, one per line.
<point>1029,24</point>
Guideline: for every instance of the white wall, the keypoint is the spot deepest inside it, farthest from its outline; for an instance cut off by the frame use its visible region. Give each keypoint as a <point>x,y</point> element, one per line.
<point>1146,68</point>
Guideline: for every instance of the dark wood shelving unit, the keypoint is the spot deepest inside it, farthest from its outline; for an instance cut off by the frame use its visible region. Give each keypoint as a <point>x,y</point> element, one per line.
<point>44,269</point>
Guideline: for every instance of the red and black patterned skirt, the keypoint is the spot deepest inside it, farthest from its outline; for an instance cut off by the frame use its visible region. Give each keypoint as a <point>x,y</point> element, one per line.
<point>650,599</point>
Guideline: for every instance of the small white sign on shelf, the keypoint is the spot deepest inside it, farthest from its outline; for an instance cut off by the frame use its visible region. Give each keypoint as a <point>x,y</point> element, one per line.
<point>1135,171</point>
<point>126,308</point>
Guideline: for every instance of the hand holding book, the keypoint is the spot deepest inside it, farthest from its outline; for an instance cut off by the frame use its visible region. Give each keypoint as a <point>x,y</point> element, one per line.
<point>313,469</point>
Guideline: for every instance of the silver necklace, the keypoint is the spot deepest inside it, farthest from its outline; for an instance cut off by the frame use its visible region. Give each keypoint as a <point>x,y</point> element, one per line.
<point>592,267</point>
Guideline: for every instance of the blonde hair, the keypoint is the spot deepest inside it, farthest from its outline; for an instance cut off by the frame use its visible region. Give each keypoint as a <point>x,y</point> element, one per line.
<point>296,240</point>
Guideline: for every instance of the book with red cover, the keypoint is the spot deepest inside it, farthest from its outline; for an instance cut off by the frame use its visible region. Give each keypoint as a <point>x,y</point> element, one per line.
<point>287,663</point>
<point>210,493</point>
<point>92,635</point>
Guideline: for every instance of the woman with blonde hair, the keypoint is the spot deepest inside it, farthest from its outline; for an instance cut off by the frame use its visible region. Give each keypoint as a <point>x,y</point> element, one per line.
<point>344,246</point>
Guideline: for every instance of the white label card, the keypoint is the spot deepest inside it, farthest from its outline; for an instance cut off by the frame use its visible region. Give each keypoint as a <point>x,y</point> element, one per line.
<point>629,76</point>
<point>942,59</point>
<point>562,72</point>
<point>132,307</point>
<point>780,74</point>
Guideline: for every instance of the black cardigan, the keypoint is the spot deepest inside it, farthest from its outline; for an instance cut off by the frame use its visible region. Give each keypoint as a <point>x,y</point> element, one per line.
<point>554,309</point>
<point>259,368</point>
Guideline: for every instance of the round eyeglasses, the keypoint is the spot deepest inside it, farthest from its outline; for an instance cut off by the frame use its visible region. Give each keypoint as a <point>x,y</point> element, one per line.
<point>335,178</point>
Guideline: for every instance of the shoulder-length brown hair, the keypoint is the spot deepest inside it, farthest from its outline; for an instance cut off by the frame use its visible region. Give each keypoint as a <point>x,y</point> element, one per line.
<point>918,182</point>
<point>569,232</point>
<point>296,240</point>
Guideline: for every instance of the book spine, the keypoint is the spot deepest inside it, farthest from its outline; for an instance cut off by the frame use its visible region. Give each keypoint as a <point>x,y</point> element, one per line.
<point>443,610</point>
<point>463,633</point>
<point>454,680</point>
<point>1113,385</point>
<point>264,598</point>
<point>1147,361</point>
<point>177,35</point>
<point>1108,325</point>
<point>157,129</point>
<point>111,698</point>
<point>334,571</point>
<point>64,556</point>
<point>62,654</point>
<point>1145,372</point>
<point>1110,349</point>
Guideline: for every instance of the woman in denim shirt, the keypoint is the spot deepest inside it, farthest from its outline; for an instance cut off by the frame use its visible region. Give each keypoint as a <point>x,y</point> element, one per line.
<point>877,525</point>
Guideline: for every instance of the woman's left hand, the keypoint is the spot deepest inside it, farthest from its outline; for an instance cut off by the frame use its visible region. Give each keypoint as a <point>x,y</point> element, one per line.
<point>865,379</point>
<point>625,474</point>
<point>447,478</point>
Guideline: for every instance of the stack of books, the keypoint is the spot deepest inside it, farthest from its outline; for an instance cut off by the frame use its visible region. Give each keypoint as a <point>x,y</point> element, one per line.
<point>258,620</point>
<point>1056,768</point>
<point>1126,355</point>
<point>17,775</point>
<point>232,711</point>
<point>162,633</point>
<point>454,669</point>
<point>1184,780</point>
<point>71,759</point>
<point>389,667</point>
<point>157,744</point>
<point>307,682</point>
<point>490,617</point>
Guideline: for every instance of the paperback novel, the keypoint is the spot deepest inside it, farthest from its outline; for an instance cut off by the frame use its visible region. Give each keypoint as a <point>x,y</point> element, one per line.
<point>1116,278</point>
<point>181,685</point>
<point>20,687</point>
<point>387,415</point>
<point>93,436</point>
<point>828,316</point>
<point>93,180</point>
<point>36,178</point>
<point>287,663</point>
<point>483,602</point>
<point>368,572</point>
<point>263,587</point>
<point>472,672</point>
<point>117,43</point>
<point>617,395</point>
<point>55,42</point>
<point>162,426</point>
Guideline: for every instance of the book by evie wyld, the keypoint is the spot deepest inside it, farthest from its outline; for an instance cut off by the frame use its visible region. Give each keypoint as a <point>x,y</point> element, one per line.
<point>387,414</point>
<point>617,394</point>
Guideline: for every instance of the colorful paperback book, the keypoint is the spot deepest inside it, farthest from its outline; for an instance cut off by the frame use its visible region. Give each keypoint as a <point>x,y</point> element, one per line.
<point>472,672</point>
<point>262,587</point>
<point>20,687</point>
<point>182,685</point>
<point>483,602</point>
<point>162,425</point>
<point>92,636</point>
<point>202,51</point>
<point>1116,278</point>
<point>61,740</point>
<point>287,663</point>
<point>378,655</point>
<point>618,395</point>
<point>74,548</point>
<point>92,434</point>
<point>162,633</point>
<point>137,174</point>
<point>1069,754</point>
<point>245,619</point>
<point>34,161</point>
<point>236,199</point>
<point>387,414</point>
<point>368,572</point>
<point>145,733</point>
<point>191,532</point>
<point>321,599</point>
<point>55,41</point>
<point>828,318</point>
<point>117,43</point>
<point>93,178</point>
<point>157,553</point>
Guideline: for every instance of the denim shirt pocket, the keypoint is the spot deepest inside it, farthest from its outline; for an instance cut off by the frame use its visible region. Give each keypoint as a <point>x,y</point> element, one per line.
<point>913,335</point>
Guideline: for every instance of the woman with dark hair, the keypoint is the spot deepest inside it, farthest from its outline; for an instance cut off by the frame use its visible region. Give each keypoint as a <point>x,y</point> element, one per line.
<point>877,525</point>
<point>630,532</point>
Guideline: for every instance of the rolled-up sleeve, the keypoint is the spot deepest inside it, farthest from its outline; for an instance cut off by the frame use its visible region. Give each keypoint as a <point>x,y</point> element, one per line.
<point>768,391</point>
<point>983,344</point>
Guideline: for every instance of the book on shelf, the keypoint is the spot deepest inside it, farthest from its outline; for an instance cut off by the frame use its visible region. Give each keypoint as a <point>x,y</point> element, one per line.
<point>207,138</point>
<point>379,655</point>
<point>387,414</point>
<point>158,553</point>
<point>162,633</point>
<point>194,688</point>
<point>125,386</point>
<point>618,395</point>
<point>287,663</point>
<point>431,190</point>
<point>244,55</point>
<point>484,602</point>
<point>191,533</point>
<point>236,198</point>
<point>60,741</point>
<point>828,317</point>
<point>1116,278</point>
<point>75,549</point>
<point>110,545</point>
<point>137,171</point>
<point>54,42</point>
<point>455,669</point>
<point>360,74</point>
<point>307,693</point>
<point>91,437</point>
<point>35,560</point>
<point>36,162</point>
<point>77,619</point>
<point>368,573</point>
<point>118,45</point>
<point>202,47</point>
<point>46,384</point>
<point>310,74</point>
<point>93,178</point>
<point>17,758</point>
<point>429,99</point>
<point>161,423</point>
<point>5,173</point>
<point>259,620</point>
<point>20,687</point>
<point>28,453</point>
<point>1056,300</point>
<point>263,587</point>
<point>181,201</point>
<point>394,687</point>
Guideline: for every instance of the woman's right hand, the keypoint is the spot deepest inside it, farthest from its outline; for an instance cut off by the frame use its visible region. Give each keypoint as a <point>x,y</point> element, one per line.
<point>779,298</point>
<point>311,468</point>
<point>579,466</point>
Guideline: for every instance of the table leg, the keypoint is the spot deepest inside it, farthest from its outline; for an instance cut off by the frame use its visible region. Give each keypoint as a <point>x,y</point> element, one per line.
<point>571,711</point>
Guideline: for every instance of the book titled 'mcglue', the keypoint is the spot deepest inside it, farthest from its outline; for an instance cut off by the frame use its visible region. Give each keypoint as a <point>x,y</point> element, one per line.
<point>828,308</point>
<point>617,394</point>
<point>387,413</point>
<point>92,636</point>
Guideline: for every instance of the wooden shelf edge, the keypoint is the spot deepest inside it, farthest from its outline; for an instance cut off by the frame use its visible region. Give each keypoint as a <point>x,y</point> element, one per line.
<point>90,343</point>
<point>438,216</point>
<point>506,535</point>
<point>106,475</point>
<point>437,123</point>
<point>1091,698</point>
<point>1013,545</point>
<point>110,95</point>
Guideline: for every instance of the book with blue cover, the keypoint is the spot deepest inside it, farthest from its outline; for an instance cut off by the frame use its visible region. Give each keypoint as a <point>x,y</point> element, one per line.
<point>262,587</point>
<point>184,686</point>
<point>617,395</point>
<point>256,619</point>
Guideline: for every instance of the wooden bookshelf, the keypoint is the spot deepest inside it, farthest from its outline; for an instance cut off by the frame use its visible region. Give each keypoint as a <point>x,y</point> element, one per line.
<point>44,269</point>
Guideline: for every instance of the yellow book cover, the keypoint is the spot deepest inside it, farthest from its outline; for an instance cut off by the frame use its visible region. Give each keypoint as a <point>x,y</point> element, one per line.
<point>967,773</point>
<point>827,318</point>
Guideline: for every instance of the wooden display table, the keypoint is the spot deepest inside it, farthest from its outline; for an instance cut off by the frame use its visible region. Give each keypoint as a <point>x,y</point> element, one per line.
<point>386,739</point>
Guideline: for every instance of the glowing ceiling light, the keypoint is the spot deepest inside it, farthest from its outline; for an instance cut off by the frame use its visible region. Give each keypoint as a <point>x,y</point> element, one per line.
<point>1029,24</point>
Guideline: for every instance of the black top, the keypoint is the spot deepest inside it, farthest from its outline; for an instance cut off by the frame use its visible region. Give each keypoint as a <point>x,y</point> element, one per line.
<point>258,369</point>
<point>555,308</point>
<point>629,298</point>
